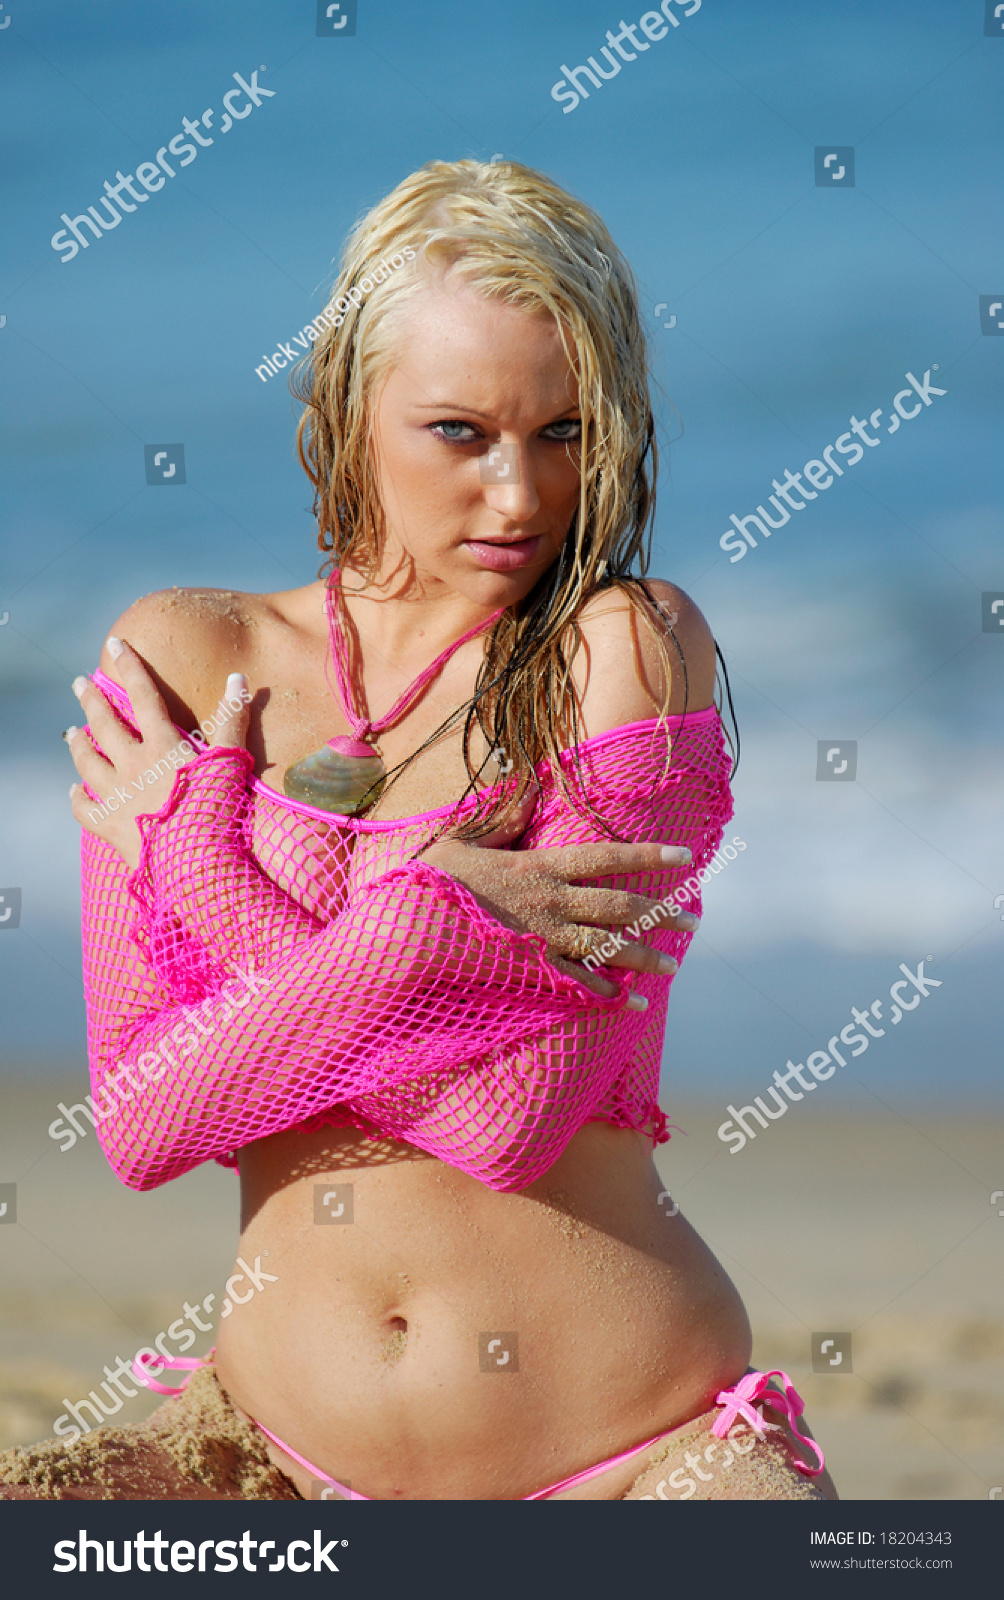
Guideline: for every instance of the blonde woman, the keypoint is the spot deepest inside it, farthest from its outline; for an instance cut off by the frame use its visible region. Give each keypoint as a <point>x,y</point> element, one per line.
<point>398,943</point>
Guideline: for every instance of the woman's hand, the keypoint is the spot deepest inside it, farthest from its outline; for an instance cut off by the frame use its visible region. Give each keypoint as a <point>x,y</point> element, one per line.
<point>134,776</point>
<point>537,891</point>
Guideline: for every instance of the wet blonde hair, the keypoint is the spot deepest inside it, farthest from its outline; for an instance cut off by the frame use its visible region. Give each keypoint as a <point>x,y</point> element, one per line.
<point>510,234</point>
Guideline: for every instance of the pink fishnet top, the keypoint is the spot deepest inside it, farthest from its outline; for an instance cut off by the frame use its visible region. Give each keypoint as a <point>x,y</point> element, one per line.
<point>271,966</point>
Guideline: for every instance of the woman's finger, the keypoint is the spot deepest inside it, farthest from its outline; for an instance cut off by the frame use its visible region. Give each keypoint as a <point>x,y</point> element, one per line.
<point>617,908</point>
<point>96,772</point>
<point>108,729</point>
<point>230,721</point>
<point>514,824</point>
<point>601,947</point>
<point>611,860</point>
<point>82,805</point>
<point>589,980</point>
<point>149,710</point>
<point>634,957</point>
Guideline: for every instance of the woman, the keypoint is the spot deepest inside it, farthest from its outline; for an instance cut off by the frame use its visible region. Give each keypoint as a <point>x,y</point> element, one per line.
<point>356,963</point>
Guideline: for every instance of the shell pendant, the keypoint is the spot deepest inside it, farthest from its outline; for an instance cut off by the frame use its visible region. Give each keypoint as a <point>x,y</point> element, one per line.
<point>333,781</point>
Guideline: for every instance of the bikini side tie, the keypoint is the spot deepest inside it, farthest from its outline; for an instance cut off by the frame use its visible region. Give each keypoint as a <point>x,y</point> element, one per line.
<point>738,1402</point>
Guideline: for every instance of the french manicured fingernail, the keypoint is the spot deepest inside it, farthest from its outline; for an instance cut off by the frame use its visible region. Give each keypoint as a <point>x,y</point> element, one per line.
<point>70,733</point>
<point>688,922</point>
<point>678,854</point>
<point>114,646</point>
<point>636,1002</point>
<point>236,684</point>
<point>667,965</point>
<point>78,686</point>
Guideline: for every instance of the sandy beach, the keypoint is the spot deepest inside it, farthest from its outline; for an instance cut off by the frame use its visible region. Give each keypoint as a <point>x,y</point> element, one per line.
<point>871,1226</point>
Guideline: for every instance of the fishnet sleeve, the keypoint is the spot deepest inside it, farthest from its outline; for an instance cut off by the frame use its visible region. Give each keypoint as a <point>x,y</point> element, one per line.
<point>292,1016</point>
<point>527,1103</point>
<point>121,986</point>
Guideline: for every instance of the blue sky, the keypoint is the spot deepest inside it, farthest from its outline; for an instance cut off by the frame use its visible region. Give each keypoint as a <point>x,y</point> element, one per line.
<point>796,307</point>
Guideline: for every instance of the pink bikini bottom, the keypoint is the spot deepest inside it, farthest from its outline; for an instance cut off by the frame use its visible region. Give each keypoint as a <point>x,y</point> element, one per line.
<point>736,1402</point>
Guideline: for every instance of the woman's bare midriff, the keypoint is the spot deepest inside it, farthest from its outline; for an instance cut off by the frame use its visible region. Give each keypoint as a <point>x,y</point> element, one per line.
<point>369,1352</point>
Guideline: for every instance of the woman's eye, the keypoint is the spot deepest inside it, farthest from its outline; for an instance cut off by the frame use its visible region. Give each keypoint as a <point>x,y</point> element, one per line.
<point>566,431</point>
<point>454,432</point>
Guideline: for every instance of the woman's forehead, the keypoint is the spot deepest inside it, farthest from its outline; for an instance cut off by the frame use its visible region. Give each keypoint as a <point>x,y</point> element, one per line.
<point>454,345</point>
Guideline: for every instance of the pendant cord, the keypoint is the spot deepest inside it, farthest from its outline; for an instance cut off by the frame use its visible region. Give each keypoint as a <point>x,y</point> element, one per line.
<point>363,727</point>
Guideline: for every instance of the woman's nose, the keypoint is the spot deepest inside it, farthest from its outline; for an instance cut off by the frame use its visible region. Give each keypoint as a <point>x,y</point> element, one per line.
<point>509,483</point>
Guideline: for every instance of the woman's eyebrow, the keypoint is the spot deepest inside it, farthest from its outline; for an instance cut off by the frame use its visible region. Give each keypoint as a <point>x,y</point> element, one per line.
<point>443,406</point>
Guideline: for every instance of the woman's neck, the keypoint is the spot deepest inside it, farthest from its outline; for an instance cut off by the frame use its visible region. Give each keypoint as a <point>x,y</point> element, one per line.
<point>405,615</point>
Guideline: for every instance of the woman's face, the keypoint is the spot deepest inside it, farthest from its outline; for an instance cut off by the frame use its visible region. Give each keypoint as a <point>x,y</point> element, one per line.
<point>476,445</point>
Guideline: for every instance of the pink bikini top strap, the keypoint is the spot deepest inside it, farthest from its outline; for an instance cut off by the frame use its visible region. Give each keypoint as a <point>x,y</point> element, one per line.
<point>362,726</point>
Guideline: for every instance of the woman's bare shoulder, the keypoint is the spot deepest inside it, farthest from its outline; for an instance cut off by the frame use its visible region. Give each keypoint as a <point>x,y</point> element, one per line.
<point>622,678</point>
<point>190,640</point>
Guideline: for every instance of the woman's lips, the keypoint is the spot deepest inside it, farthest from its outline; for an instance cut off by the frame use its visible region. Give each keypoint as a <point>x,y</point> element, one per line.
<point>504,557</point>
